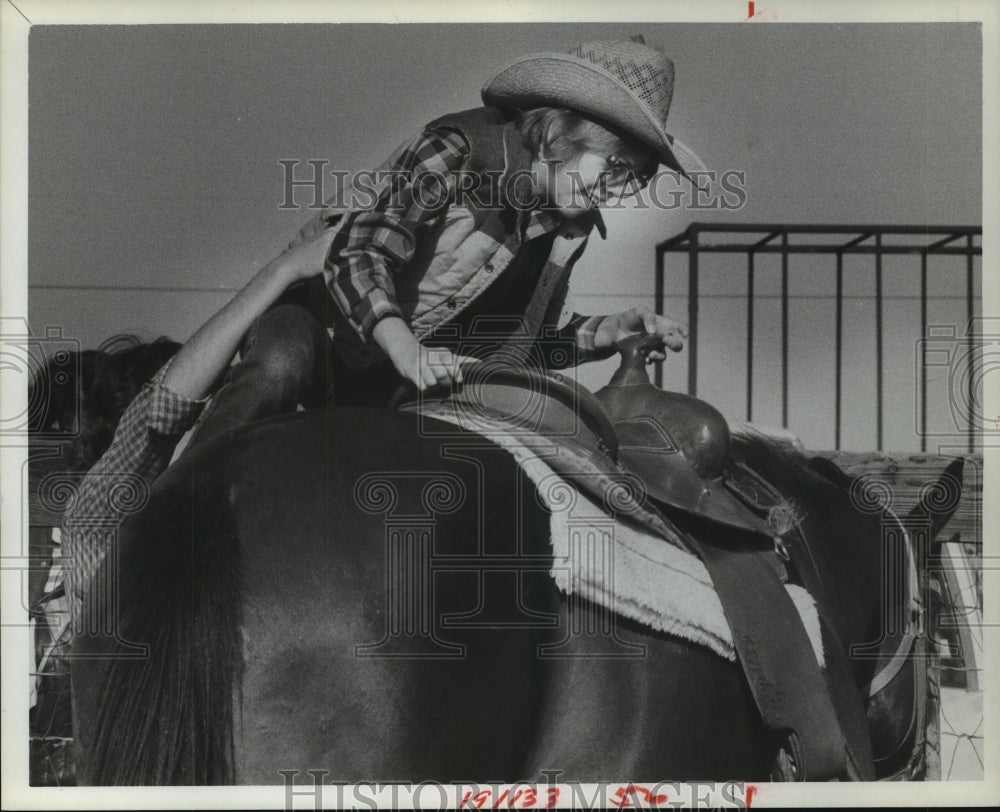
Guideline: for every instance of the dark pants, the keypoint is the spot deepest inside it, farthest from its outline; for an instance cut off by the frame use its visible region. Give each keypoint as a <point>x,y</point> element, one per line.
<point>286,359</point>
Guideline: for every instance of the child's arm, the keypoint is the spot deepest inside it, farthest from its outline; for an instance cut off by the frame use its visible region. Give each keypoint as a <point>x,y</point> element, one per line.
<point>379,238</point>
<point>424,367</point>
<point>207,354</point>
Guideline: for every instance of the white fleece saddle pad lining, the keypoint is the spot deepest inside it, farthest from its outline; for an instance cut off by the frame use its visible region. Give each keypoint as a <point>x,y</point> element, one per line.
<point>620,567</point>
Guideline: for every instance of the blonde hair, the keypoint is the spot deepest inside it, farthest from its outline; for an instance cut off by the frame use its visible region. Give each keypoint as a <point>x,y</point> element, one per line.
<point>566,134</point>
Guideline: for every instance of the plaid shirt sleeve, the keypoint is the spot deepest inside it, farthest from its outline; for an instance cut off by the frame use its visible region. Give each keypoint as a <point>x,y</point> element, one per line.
<point>579,332</point>
<point>585,327</point>
<point>411,190</point>
<point>119,482</point>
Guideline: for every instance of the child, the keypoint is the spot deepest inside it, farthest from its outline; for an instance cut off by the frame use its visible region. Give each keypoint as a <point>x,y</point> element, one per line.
<point>462,244</point>
<point>159,415</point>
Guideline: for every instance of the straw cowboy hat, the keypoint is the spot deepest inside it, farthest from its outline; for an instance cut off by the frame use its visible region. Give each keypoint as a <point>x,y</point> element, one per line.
<point>625,83</point>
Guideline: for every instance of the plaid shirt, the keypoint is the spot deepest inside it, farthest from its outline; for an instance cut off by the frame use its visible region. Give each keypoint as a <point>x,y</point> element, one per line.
<point>376,241</point>
<point>118,484</point>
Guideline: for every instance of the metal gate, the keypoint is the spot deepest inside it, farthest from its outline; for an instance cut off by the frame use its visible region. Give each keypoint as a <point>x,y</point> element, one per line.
<point>926,244</point>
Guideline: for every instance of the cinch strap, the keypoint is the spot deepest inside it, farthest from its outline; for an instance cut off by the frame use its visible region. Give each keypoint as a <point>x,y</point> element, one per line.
<point>791,691</point>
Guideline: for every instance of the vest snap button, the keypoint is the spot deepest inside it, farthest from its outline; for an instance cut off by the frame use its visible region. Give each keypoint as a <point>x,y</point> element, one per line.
<point>451,305</point>
<point>488,267</point>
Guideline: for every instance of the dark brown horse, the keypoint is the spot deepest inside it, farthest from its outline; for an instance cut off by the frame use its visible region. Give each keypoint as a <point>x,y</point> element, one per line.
<point>339,591</point>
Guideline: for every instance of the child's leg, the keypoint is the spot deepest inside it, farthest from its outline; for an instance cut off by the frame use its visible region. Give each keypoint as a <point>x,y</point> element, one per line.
<point>284,361</point>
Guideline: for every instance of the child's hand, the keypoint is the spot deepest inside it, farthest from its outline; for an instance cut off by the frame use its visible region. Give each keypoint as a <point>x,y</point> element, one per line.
<point>433,367</point>
<point>305,259</point>
<point>424,367</point>
<point>640,320</point>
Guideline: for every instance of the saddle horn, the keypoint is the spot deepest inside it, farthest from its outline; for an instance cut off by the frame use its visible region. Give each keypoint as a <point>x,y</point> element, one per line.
<point>676,443</point>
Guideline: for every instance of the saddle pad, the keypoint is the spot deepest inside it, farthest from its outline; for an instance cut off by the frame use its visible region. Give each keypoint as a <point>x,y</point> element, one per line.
<point>616,564</point>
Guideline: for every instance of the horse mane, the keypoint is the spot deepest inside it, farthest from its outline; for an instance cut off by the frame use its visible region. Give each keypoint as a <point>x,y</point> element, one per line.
<point>788,471</point>
<point>169,719</point>
<point>773,460</point>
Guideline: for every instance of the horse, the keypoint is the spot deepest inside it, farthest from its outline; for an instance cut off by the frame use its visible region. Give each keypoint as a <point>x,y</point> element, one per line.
<point>258,624</point>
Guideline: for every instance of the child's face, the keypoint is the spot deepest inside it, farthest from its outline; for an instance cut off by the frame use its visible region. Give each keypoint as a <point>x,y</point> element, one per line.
<point>589,179</point>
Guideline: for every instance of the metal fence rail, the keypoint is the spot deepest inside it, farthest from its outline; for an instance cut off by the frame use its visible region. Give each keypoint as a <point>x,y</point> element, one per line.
<point>926,242</point>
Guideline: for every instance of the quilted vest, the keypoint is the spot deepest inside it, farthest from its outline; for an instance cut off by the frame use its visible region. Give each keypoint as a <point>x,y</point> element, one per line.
<point>464,249</point>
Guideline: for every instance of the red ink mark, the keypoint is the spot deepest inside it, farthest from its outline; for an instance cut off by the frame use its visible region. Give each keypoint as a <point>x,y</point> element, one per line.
<point>762,14</point>
<point>623,797</point>
<point>750,10</point>
<point>471,799</point>
<point>520,798</point>
<point>751,790</point>
<point>620,799</point>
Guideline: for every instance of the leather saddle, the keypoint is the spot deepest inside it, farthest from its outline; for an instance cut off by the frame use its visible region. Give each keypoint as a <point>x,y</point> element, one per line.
<point>679,449</point>
<point>676,445</point>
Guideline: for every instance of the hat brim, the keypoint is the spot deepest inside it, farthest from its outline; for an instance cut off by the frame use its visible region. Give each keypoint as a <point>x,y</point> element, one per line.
<point>562,80</point>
